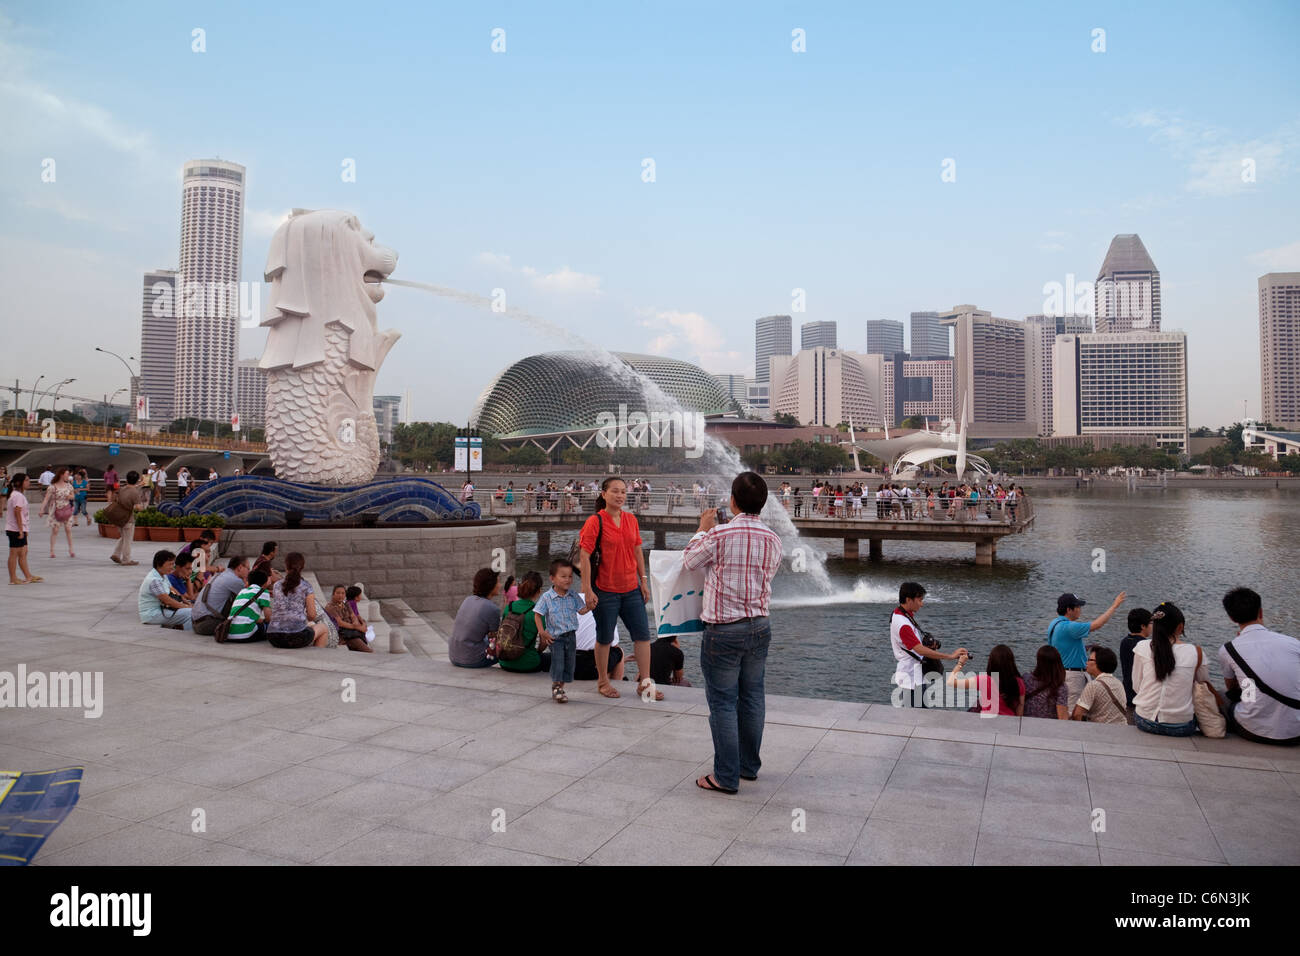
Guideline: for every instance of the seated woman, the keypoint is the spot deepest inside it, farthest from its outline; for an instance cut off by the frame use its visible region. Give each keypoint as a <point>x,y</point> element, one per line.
<point>293,609</point>
<point>1001,674</point>
<point>352,630</point>
<point>477,617</point>
<point>250,612</point>
<point>156,604</point>
<point>532,659</point>
<point>1045,692</point>
<point>1165,672</point>
<point>183,579</point>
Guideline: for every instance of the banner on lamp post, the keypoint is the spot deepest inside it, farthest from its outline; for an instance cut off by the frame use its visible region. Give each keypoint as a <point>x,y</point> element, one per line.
<point>476,454</point>
<point>462,453</point>
<point>142,408</point>
<point>234,422</point>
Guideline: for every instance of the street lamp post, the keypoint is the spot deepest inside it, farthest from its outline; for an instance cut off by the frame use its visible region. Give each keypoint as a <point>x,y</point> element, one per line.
<point>34,384</point>
<point>131,373</point>
<point>54,402</point>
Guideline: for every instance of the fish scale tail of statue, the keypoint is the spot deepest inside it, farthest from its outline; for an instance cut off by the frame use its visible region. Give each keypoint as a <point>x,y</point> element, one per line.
<point>324,347</point>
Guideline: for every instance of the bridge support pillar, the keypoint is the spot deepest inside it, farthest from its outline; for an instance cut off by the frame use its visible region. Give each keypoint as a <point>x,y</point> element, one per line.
<point>850,549</point>
<point>543,543</point>
<point>874,552</point>
<point>661,540</point>
<point>986,549</point>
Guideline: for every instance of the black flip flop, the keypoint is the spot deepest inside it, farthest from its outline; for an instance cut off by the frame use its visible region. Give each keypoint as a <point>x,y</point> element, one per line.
<point>743,777</point>
<point>711,784</point>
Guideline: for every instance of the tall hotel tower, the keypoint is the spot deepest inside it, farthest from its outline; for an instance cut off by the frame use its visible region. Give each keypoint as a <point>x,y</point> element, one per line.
<point>207,290</point>
<point>1127,294</point>
<point>158,347</point>
<point>1279,349</point>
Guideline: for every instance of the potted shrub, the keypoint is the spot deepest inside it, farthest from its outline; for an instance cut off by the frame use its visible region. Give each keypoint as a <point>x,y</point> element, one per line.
<point>106,530</point>
<point>143,519</point>
<point>165,529</point>
<point>191,527</point>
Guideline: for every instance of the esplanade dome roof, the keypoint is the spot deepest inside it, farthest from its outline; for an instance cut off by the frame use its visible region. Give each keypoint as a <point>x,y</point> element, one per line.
<point>566,391</point>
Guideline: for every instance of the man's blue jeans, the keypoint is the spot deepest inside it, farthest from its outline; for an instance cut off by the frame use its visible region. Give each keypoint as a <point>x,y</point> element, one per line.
<point>733,658</point>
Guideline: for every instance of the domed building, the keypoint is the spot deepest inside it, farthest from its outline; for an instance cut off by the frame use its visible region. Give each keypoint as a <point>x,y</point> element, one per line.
<point>563,392</point>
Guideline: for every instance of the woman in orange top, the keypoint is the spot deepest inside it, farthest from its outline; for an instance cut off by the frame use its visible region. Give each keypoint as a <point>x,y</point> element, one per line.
<point>621,588</point>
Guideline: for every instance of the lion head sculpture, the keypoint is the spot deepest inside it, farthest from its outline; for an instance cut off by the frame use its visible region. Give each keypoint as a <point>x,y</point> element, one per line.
<point>324,347</point>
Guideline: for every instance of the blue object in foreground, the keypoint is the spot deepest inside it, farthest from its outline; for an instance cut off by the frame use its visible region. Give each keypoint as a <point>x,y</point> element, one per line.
<point>252,499</point>
<point>32,805</point>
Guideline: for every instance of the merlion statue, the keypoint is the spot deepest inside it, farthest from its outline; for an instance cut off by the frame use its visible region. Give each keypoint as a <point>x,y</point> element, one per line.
<point>324,348</point>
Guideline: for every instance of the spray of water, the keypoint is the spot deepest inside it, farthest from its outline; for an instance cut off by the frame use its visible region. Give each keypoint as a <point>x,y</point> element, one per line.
<point>721,459</point>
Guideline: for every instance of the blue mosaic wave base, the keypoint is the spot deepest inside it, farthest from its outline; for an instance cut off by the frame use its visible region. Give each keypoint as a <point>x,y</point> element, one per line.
<point>249,499</point>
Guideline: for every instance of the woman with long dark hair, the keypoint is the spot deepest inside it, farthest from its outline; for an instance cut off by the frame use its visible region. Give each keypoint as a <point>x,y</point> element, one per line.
<point>1165,671</point>
<point>1001,675</point>
<point>1045,692</point>
<point>58,507</point>
<point>293,609</point>
<point>621,588</point>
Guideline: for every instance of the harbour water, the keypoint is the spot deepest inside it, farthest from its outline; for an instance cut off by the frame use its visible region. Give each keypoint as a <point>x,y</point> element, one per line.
<point>1188,546</point>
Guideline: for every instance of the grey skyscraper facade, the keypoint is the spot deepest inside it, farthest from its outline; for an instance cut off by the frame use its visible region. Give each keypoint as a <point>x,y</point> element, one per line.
<point>813,335</point>
<point>207,299</point>
<point>1127,293</point>
<point>884,337</point>
<point>929,337</point>
<point>773,335</point>
<point>1279,349</point>
<point>158,347</point>
<point>1040,337</point>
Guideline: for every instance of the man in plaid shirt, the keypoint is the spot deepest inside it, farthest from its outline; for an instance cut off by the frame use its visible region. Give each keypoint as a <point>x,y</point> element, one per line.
<point>741,557</point>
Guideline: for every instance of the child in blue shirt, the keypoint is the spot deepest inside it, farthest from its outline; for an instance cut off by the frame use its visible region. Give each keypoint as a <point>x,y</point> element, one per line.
<point>557,626</point>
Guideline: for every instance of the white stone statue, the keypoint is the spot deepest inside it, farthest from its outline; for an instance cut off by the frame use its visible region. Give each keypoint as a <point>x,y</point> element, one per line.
<point>324,348</point>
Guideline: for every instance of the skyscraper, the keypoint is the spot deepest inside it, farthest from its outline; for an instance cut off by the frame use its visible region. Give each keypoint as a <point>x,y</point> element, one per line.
<point>884,337</point>
<point>989,372</point>
<point>929,337</point>
<point>388,409</point>
<point>824,386</point>
<point>1127,293</point>
<point>917,387</point>
<point>250,394</point>
<point>158,346</point>
<point>1040,337</point>
<point>772,336</point>
<point>1122,385</point>
<point>817,335</point>
<point>1279,349</point>
<point>207,293</point>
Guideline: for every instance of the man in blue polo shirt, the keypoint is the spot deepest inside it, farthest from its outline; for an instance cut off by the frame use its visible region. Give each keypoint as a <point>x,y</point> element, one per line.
<point>1067,634</point>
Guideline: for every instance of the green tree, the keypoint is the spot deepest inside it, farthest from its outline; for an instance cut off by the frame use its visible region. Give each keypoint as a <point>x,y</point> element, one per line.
<point>785,418</point>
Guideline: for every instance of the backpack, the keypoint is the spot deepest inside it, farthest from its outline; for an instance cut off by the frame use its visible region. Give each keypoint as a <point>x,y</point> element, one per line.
<point>575,552</point>
<point>222,632</point>
<point>506,643</point>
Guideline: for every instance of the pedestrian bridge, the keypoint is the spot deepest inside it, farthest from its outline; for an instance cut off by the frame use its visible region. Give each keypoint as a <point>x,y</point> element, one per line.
<point>31,448</point>
<point>663,512</point>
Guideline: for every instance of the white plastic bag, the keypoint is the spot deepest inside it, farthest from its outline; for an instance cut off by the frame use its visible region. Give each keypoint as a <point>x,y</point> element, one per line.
<point>678,595</point>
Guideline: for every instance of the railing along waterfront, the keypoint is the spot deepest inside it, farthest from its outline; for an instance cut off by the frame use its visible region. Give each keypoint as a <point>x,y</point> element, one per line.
<point>686,502</point>
<point>65,431</point>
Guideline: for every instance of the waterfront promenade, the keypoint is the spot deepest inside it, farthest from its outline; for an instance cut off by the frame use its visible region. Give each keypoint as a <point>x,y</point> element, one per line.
<point>428,757</point>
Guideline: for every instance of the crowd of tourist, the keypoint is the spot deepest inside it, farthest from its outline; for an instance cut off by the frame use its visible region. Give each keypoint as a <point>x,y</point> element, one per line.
<point>1158,681</point>
<point>896,500</point>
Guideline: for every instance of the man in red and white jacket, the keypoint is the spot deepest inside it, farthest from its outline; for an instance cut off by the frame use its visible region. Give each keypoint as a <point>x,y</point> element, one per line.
<point>905,639</point>
<point>741,557</point>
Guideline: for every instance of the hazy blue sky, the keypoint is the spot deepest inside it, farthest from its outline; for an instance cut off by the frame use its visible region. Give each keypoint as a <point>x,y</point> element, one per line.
<point>774,170</point>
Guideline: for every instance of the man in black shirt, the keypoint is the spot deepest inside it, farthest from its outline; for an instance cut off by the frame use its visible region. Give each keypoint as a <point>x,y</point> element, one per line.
<point>667,662</point>
<point>1139,629</point>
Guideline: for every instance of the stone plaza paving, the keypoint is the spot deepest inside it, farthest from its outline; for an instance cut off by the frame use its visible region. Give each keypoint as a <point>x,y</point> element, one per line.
<point>429,757</point>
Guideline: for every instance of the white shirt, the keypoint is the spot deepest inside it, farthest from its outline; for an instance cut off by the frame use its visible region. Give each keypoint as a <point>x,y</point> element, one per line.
<point>160,478</point>
<point>183,478</point>
<point>46,478</point>
<point>586,636</point>
<point>1276,659</point>
<point>1167,701</point>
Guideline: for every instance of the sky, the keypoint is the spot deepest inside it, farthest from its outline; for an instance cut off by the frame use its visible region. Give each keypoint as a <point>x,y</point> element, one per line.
<point>774,170</point>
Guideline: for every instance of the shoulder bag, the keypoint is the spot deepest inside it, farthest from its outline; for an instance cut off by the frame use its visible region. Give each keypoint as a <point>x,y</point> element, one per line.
<point>222,632</point>
<point>1205,702</point>
<point>1276,695</point>
<point>575,552</point>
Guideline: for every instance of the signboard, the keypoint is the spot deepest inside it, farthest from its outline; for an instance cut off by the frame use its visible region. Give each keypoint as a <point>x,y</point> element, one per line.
<point>142,408</point>
<point>234,422</point>
<point>476,454</point>
<point>195,433</point>
<point>114,449</point>
<point>225,454</point>
<point>32,418</point>
<point>462,453</point>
